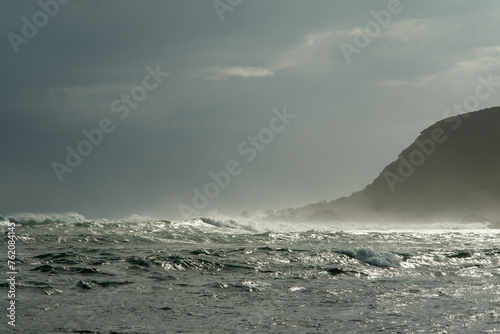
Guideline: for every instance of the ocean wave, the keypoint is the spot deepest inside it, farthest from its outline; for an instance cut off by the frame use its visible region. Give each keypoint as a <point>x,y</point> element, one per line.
<point>373,257</point>
<point>26,218</point>
<point>49,218</point>
<point>149,227</point>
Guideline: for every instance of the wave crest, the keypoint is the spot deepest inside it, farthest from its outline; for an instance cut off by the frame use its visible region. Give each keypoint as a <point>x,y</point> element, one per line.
<point>373,257</point>
<point>48,218</point>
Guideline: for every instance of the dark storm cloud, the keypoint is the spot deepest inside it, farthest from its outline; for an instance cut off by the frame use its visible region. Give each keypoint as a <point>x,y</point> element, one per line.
<point>225,79</point>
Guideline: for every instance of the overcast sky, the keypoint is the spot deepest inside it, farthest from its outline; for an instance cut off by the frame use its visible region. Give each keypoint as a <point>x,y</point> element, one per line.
<point>229,66</point>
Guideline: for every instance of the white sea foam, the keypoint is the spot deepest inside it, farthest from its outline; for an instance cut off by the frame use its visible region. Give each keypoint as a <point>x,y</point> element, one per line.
<point>246,225</point>
<point>224,224</point>
<point>373,257</point>
<point>47,218</point>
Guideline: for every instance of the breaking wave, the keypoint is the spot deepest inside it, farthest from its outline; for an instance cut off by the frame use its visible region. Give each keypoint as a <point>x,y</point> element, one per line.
<point>234,226</point>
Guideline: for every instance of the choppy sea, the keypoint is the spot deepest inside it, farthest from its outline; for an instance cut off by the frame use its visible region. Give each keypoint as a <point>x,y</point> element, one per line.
<point>145,275</point>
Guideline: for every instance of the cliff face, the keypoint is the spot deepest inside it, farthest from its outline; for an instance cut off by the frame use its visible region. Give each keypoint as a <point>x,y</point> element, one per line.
<point>451,172</point>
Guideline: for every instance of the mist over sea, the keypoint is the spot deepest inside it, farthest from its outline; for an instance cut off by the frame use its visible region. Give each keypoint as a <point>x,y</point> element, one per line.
<point>145,275</point>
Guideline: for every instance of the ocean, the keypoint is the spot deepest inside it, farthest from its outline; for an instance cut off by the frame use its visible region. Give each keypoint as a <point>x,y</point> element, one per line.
<point>145,275</point>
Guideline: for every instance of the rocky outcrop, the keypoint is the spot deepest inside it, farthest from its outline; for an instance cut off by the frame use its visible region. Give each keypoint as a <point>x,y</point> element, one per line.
<point>450,172</point>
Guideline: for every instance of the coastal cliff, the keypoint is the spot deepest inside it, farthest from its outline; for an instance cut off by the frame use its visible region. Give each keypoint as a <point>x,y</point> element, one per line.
<point>451,172</point>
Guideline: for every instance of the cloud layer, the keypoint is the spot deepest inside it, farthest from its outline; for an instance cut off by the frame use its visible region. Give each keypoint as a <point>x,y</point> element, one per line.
<point>225,79</point>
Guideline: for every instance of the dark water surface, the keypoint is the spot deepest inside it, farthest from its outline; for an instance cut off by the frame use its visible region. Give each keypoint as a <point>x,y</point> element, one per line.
<point>141,275</point>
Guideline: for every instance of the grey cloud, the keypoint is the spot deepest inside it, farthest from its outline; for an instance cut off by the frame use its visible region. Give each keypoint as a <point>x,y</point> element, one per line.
<point>225,79</point>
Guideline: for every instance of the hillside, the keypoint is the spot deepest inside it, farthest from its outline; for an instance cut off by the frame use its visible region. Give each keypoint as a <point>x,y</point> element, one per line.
<point>451,172</point>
